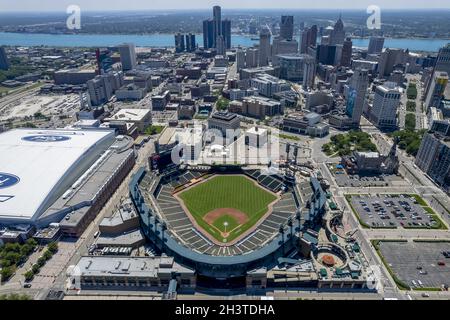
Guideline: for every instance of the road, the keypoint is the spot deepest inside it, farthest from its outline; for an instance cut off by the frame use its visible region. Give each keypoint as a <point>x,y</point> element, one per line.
<point>421,118</point>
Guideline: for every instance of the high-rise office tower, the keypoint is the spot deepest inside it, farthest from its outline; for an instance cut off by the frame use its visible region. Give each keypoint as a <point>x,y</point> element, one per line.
<point>433,158</point>
<point>313,36</point>
<point>191,44</point>
<point>389,59</point>
<point>443,60</point>
<point>105,60</point>
<point>376,45</point>
<point>287,27</point>
<point>220,45</point>
<point>326,54</point>
<point>226,33</point>
<point>442,64</point>
<point>240,59</point>
<point>208,34</point>
<point>251,57</point>
<point>308,38</point>
<point>4,62</point>
<point>347,50</point>
<point>217,22</point>
<point>357,95</point>
<point>304,40</point>
<point>337,35</point>
<point>385,105</point>
<point>179,43</point>
<point>436,89</point>
<point>217,32</point>
<point>264,46</point>
<point>282,46</point>
<point>127,56</point>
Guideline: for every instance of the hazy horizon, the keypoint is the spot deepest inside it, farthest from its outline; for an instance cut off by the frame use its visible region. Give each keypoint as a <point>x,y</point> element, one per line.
<point>31,6</point>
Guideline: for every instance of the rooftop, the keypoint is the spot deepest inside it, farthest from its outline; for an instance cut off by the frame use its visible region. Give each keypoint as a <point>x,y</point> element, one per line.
<point>127,266</point>
<point>36,164</point>
<point>130,115</point>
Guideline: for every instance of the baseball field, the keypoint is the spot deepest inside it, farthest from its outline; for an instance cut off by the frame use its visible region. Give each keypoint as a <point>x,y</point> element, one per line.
<point>226,206</point>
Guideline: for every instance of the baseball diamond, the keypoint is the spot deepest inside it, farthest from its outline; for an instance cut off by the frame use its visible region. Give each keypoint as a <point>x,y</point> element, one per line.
<point>226,206</point>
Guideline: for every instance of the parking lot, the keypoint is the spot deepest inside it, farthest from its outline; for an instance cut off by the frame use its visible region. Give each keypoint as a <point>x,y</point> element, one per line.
<point>343,179</point>
<point>391,211</point>
<point>418,264</point>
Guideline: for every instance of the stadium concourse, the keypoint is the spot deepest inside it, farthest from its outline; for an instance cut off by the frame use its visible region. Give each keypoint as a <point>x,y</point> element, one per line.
<point>169,227</point>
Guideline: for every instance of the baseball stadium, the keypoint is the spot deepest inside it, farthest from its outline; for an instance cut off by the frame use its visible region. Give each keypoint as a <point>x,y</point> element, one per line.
<point>224,221</point>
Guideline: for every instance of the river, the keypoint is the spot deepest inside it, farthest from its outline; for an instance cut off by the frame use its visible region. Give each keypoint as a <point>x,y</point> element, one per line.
<point>167,40</point>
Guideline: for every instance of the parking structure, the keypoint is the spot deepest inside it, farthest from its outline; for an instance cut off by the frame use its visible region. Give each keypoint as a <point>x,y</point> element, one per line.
<point>343,179</point>
<point>418,264</point>
<point>392,211</point>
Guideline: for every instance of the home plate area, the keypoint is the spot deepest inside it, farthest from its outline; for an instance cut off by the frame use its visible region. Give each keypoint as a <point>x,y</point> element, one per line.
<point>226,220</point>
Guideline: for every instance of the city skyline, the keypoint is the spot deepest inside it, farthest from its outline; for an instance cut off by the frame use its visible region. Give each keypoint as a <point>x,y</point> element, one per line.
<point>132,5</point>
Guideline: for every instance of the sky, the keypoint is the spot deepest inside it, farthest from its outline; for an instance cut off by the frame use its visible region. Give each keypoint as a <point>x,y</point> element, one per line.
<point>105,5</point>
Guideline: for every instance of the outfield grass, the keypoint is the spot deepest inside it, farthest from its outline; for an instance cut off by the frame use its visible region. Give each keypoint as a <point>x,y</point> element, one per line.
<point>236,192</point>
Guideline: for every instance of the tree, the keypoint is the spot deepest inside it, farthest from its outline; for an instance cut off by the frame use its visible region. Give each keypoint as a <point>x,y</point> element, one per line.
<point>53,247</point>
<point>47,255</point>
<point>35,268</point>
<point>31,242</point>
<point>29,275</point>
<point>6,273</point>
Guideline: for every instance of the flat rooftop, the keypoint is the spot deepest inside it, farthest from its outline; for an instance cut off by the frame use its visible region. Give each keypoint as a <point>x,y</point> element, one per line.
<point>151,267</point>
<point>35,164</point>
<point>89,189</point>
<point>129,115</point>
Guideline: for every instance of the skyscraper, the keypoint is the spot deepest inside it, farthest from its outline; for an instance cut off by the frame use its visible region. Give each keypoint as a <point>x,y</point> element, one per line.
<point>443,59</point>
<point>308,38</point>
<point>4,63</point>
<point>385,105</point>
<point>337,35</point>
<point>191,44</point>
<point>436,89</point>
<point>226,33</point>
<point>179,43</point>
<point>217,32</point>
<point>287,27</point>
<point>433,158</point>
<point>264,46</point>
<point>326,54</point>
<point>357,95</point>
<point>347,49</point>
<point>240,59</point>
<point>282,46</point>
<point>208,34</point>
<point>376,45</point>
<point>105,61</point>
<point>251,57</point>
<point>217,23</point>
<point>127,56</point>
<point>442,64</point>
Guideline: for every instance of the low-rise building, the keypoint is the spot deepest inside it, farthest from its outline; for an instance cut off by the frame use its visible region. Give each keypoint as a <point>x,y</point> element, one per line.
<point>260,107</point>
<point>305,124</point>
<point>146,272</point>
<point>159,102</point>
<point>130,92</point>
<point>256,137</point>
<point>225,122</point>
<point>142,118</point>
